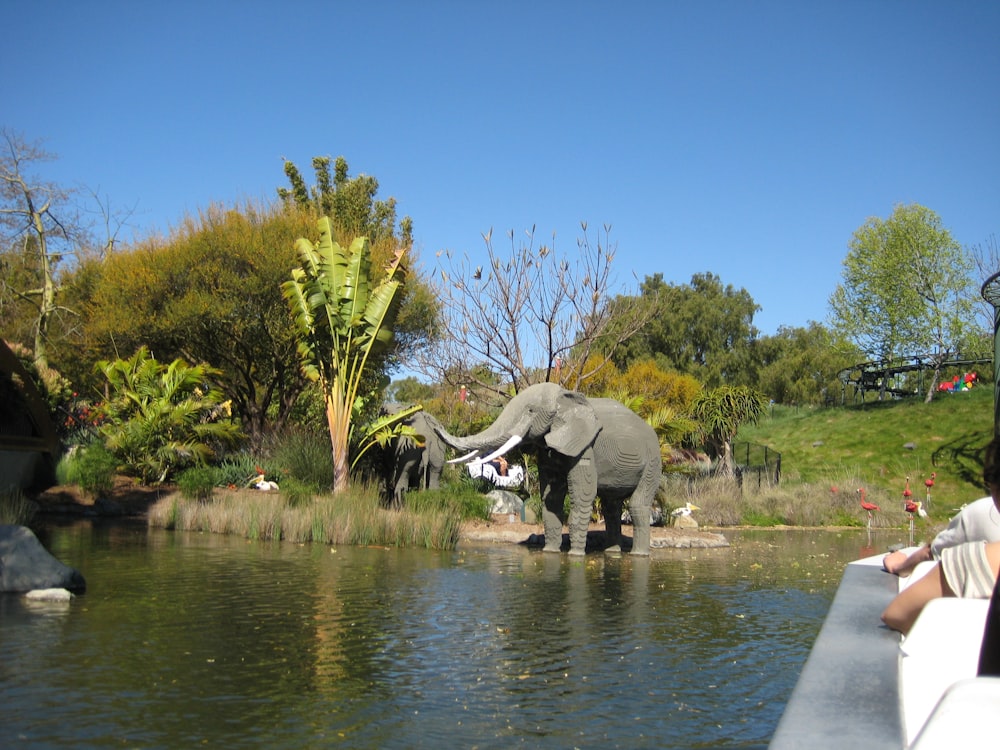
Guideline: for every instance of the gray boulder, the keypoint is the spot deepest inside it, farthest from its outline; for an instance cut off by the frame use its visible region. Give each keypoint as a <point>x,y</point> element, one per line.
<point>25,565</point>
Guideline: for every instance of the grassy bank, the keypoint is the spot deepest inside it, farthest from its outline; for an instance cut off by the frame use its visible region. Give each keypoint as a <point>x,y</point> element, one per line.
<point>828,453</point>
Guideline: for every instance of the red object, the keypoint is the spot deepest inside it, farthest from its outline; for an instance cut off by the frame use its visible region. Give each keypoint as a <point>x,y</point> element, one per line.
<point>912,507</point>
<point>907,493</point>
<point>865,505</point>
<point>929,482</point>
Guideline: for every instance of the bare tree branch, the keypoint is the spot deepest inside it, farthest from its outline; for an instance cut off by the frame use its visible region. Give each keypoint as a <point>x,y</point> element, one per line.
<point>529,316</point>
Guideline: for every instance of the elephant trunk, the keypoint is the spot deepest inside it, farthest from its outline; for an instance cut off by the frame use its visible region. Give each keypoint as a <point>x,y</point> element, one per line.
<point>472,446</point>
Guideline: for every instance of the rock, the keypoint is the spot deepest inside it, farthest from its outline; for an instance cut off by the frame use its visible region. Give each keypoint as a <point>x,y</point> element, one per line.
<point>505,501</point>
<point>49,595</point>
<point>26,565</point>
<point>702,541</point>
<point>105,507</point>
<point>685,522</point>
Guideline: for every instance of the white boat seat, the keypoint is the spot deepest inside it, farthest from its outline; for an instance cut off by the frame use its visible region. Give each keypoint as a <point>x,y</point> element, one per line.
<point>941,650</point>
<point>966,716</point>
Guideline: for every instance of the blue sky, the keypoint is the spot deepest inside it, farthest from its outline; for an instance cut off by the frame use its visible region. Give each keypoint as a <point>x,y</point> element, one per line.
<point>748,139</point>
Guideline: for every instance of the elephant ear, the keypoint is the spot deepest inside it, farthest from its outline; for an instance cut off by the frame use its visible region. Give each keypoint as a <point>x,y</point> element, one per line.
<point>574,425</point>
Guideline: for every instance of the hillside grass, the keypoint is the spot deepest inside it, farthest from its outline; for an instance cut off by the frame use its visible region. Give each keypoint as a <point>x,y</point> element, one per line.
<point>830,452</point>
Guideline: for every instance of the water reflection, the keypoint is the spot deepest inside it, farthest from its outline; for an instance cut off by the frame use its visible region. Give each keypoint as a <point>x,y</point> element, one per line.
<point>194,638</point>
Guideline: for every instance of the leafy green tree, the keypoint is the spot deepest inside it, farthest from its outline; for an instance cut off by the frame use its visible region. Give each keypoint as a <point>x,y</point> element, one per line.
<point>907,289</point>
<point>210,292</point>
<point>343,316</point>
<point>349,202</point>
<point>720,412</point>
<point>161,418</point>
<point>354,211</point>
<point>409,390</point>
<point>800,365</point>
<point>704,329</point>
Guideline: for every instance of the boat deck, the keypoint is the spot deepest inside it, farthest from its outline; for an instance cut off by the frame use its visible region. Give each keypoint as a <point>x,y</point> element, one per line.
<point>865,686</point>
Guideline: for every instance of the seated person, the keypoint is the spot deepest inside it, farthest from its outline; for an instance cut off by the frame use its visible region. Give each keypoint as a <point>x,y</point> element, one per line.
<point>500,464</point>
<point>967,570</point>
<point>978,521</point>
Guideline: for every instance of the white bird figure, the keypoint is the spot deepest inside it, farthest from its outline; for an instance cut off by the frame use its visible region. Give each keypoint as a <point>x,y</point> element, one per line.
<point>684,510</point>
<point>259,483</point>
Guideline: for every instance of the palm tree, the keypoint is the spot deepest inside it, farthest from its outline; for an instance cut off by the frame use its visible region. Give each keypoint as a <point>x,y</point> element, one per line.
<point>341,317</point>
<point>720,412</point>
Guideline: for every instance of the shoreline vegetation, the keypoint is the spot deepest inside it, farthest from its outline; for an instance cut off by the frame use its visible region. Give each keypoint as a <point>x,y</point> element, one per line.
<point>828,456</point>
<point>355,519</point>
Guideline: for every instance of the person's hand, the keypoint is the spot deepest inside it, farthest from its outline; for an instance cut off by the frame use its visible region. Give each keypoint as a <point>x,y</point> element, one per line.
<point>893,561</point>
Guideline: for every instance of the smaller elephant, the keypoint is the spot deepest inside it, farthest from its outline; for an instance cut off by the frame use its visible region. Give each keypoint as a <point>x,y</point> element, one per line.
<point>414,461</point>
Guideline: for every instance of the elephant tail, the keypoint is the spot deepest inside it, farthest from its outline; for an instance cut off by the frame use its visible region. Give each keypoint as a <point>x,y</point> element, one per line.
<point>662,491</point>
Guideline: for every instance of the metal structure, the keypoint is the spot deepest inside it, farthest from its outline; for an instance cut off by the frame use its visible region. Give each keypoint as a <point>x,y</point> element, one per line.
<point>879,376</point>
<point>29,444</point>
<point>991,293</point>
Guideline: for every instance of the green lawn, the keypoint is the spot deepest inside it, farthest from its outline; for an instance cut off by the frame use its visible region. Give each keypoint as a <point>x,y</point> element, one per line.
<point>881,443</point>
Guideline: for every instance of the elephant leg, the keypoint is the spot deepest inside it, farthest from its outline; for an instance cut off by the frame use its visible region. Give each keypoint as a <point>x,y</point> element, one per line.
<point>553,488</point>
<point>612,508</point>
<point>433,478</point>
<point>399,492</point>
<point>582,484</point>
<point>639,507</point>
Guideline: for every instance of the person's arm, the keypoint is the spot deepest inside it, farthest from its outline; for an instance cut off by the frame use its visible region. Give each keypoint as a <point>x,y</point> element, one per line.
<point>898,563</point>
<point>903,611</point>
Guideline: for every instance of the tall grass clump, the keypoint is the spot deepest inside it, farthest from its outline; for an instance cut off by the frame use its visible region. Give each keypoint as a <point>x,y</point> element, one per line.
<point>15,508</point>
<point>306,457</point>
<point>458,498</point>
<point>355,517</point>
<point>236,470</point>
<point>723,502</point>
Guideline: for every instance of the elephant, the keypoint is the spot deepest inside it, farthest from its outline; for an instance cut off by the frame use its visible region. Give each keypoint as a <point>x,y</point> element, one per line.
<point>412,464</point>
<point>589,447</point>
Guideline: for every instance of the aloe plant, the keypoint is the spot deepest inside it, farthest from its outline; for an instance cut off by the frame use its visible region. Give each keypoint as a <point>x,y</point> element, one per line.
<point>342,317</point>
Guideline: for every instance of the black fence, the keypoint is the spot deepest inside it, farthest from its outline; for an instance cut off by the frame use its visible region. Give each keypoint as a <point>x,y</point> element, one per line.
<point>755,460</point>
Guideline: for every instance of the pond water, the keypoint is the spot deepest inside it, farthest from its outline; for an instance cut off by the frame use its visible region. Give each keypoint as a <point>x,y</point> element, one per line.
<point>187,639</point>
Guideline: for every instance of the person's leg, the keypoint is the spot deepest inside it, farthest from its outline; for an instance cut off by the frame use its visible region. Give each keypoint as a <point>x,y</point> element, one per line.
<point>903,611</point>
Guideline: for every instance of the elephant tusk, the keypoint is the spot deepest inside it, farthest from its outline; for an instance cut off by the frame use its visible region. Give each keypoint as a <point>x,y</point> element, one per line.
<point>511,442</point>
<point>464,458</point>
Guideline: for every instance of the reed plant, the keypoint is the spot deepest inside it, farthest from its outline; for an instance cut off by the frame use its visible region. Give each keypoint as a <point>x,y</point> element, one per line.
<point>15,508</point>
<point>355,517</point>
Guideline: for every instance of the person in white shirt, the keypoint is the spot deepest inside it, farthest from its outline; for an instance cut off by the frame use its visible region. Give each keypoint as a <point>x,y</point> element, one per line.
<point>978,521</point>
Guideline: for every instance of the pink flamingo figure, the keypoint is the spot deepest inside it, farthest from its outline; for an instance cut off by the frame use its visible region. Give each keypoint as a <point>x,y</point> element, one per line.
<point>914,508</point>
<point>907,494</point>
<point>868,507</point>
<point>928,483</point>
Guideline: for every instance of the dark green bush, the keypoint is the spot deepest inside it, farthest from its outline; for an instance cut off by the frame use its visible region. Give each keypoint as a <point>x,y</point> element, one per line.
<point>455,498</point>
<point>198,482</point>
<point>296,492</point>
<point>92,467</point>
<point>305,456</point>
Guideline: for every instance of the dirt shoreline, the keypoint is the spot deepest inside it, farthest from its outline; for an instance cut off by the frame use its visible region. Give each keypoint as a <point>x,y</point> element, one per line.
<point>130,500</point>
